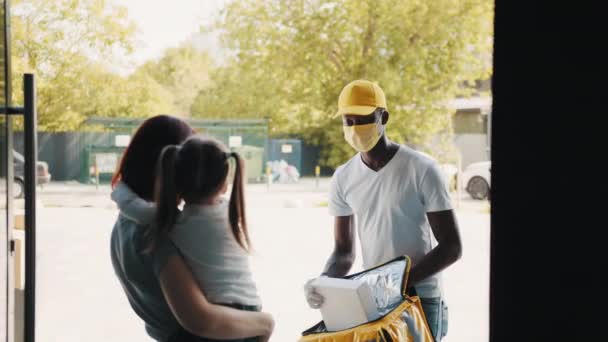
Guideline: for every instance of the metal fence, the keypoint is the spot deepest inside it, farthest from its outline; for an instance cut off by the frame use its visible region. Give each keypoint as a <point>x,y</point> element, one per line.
<point>69,154</point>
<point>64,151</point>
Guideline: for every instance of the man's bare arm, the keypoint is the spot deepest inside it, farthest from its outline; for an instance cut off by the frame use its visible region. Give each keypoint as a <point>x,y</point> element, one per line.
<point>448,249</point>
<point>343,256</point>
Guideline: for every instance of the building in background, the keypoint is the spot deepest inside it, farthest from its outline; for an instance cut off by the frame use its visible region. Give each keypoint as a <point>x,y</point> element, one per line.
<point>470,123</point>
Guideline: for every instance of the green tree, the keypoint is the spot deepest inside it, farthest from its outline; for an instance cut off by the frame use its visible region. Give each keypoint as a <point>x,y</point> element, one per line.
<point>183,72</point>
<point>66,43</point>
<point>302,52</point>
<point>239,92</point>
<point>137,95</point>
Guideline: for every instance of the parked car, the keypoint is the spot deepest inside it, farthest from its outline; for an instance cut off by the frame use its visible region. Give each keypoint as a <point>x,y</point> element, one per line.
<point>476,180</point>
<point>42,170</point>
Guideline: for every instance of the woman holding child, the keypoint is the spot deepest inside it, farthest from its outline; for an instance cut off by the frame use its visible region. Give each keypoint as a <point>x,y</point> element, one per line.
<point>185,272</point>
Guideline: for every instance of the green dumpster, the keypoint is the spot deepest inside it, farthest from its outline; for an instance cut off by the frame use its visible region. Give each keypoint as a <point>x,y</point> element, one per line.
<point>102,159</point>
<point>254,161</point>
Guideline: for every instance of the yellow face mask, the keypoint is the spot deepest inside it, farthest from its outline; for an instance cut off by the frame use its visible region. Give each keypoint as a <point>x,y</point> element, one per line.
<point>364,137</point>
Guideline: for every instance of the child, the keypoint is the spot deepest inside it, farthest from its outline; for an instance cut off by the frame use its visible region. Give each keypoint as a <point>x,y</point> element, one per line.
<point>210,232</point>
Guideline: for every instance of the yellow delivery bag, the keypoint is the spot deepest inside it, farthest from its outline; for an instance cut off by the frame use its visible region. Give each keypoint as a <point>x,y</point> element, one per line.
<point>401,316</point>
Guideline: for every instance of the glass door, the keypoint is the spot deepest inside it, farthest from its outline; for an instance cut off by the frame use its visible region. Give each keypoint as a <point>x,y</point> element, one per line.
<point>17,234</point>
<point>6,200</point>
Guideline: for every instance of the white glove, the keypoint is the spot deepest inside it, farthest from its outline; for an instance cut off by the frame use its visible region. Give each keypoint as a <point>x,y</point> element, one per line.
<point>314,299</point>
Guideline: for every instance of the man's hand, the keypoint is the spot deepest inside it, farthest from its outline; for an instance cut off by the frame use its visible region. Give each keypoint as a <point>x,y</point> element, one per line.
<point>314,299</point>
<point>340,261</point>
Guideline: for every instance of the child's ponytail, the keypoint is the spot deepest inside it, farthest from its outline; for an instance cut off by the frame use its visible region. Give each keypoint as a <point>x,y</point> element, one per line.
<point>236,212</point>
<point>166,194</point>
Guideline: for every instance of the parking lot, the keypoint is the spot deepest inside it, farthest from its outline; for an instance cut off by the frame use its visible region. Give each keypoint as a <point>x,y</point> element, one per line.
<point>79,298</point>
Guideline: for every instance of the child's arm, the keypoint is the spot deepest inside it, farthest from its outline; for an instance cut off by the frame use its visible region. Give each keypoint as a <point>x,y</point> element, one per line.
<point>132,206</point>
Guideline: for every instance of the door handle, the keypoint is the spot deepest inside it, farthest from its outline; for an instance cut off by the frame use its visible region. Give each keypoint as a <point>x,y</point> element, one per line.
<point>31,159</point>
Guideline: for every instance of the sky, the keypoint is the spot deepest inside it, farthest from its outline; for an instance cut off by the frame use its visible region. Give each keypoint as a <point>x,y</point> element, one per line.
<point>164,24</point>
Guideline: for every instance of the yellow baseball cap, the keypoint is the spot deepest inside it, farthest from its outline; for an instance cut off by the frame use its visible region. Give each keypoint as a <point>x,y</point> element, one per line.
<point>360,97</point>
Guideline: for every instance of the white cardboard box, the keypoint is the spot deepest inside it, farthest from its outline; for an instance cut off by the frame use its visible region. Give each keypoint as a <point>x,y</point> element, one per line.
<point>347,303</point>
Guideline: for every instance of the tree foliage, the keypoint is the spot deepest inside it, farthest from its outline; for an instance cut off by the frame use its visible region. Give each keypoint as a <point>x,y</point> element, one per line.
<point>183,72</point>
<point>290,59</point>
<point>65,43</point>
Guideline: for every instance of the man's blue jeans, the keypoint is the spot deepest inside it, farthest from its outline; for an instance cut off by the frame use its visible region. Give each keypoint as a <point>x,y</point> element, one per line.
<point>436,313</point>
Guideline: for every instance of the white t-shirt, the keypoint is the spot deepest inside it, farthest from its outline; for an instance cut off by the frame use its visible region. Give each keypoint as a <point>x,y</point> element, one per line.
<point>390,207</point>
